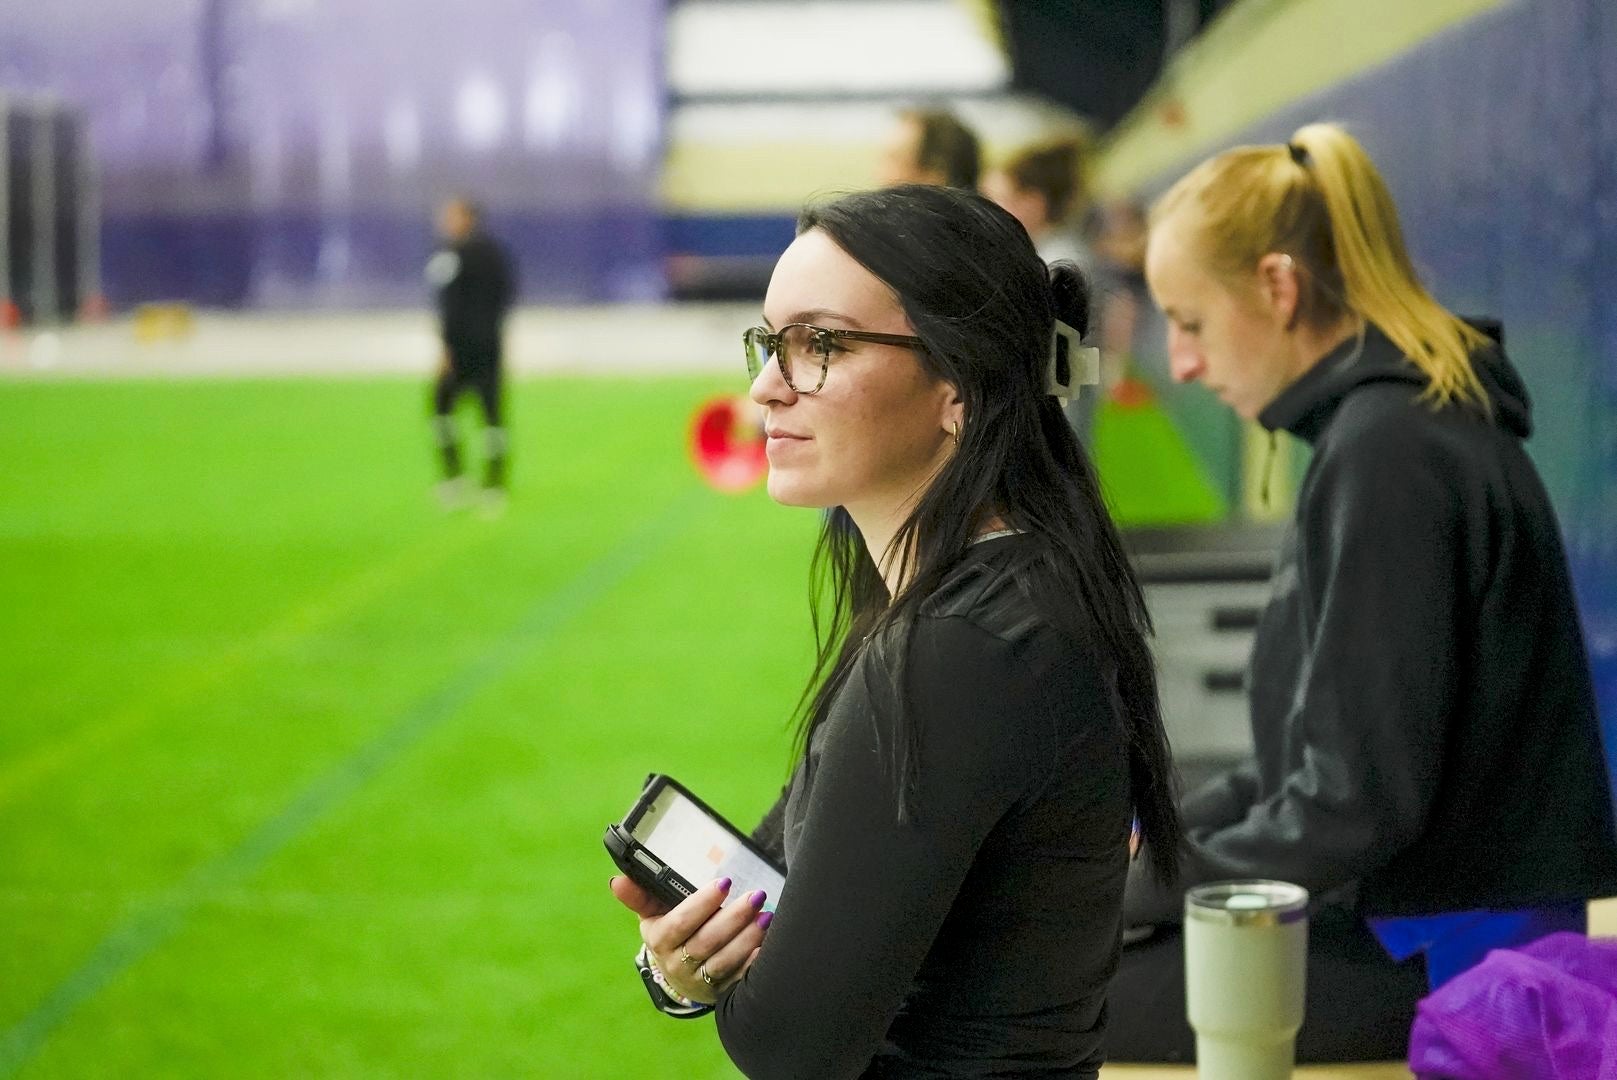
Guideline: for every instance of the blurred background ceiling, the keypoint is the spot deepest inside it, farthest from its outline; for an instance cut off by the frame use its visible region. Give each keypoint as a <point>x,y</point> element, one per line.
<point>1097,57</point>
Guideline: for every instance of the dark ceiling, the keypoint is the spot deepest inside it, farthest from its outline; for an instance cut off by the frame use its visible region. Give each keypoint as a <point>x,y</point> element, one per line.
<point>1097,57</point>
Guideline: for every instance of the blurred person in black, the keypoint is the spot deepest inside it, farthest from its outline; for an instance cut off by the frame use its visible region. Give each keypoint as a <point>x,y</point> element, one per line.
<point>475,288</point>
<point>931,146</point>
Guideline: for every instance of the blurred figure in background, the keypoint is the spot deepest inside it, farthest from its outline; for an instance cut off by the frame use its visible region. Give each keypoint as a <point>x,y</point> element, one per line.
<point>1120,238</point>
<point>931,146</point>
<point>1042,186</point>
<point>1128,323</point>
<point>475,288</point>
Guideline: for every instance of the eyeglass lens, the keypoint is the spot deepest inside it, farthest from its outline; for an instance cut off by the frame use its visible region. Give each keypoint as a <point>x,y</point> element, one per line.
<point>805,355</point>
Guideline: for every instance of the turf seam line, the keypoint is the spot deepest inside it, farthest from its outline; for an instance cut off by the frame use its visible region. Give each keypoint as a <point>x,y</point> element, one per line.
<point>144,931</point>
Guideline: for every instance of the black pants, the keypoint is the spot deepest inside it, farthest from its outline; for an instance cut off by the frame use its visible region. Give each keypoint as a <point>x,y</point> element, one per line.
<point>1360,1002</point>
<point>483,380</point>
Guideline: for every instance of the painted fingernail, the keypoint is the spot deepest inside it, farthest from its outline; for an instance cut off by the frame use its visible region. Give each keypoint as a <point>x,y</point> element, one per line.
<point>765,919</point>
<point>723,884</point>
<point>757,899</point>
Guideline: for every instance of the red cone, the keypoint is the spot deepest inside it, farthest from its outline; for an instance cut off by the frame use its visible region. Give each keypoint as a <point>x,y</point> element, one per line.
<point>727,444</point>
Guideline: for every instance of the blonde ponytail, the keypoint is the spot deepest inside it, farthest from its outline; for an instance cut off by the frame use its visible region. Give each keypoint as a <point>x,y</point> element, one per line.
<point>1320,199</point>
<point>1378,280</point>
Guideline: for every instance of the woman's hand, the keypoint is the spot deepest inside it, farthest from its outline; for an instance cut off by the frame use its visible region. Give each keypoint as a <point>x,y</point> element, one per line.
<point>636,899</point>
<point>701,949</point>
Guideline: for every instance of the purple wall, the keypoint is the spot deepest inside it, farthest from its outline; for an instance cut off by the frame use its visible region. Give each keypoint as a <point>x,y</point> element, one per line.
<point>290,152</point>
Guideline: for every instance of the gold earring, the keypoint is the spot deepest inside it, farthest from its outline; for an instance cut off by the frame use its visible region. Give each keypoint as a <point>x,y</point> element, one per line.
<point>956,425</point>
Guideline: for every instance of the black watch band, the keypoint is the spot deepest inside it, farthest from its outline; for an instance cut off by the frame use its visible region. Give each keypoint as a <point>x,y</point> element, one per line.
<point>665,1004</point>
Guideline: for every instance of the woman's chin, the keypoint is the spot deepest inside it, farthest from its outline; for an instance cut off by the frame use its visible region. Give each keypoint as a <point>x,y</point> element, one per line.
<point>789,490</point>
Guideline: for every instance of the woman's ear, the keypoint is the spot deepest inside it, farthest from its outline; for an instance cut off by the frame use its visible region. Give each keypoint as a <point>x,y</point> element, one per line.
<point>954,411</point>
<point>1277,279</point>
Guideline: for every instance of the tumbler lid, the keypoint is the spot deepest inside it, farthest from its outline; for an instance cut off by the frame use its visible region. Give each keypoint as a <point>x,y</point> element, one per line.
<point>1247,903</point>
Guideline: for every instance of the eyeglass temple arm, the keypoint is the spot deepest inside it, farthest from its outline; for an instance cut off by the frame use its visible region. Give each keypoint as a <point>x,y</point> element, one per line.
<point>880,339</point>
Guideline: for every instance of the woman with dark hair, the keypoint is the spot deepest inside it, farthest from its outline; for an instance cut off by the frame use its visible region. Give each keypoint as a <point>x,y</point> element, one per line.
<point>982,724</point>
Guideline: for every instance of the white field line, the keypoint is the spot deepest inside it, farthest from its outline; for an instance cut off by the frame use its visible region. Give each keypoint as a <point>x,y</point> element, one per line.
<point>603,340</point>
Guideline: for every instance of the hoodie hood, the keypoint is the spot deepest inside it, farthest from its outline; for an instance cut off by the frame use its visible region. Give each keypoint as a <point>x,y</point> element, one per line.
<point>1304,407</point>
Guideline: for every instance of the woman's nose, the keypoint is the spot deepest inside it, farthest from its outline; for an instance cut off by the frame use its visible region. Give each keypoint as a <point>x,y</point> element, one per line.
<point>1185,361</point>
<point>770,385</point>
<point>1185,367</point>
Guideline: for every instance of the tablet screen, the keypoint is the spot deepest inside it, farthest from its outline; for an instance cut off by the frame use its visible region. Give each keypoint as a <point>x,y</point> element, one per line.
<point>700,849</point>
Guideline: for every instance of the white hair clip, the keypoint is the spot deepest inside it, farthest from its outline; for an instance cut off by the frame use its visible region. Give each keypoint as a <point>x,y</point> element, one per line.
<point>1072,364</point>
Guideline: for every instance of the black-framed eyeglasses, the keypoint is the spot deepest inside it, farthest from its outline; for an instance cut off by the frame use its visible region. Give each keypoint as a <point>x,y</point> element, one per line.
<point>803,351</point>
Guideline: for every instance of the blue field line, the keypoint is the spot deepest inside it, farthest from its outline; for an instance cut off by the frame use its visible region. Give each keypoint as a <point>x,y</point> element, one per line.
<point>146,929</point>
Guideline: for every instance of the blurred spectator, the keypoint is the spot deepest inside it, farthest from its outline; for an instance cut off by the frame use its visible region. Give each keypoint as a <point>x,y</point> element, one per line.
<point>1128,323</point>
<point>1042,186</point>
<point>475,287</point>
<point>931,146</point>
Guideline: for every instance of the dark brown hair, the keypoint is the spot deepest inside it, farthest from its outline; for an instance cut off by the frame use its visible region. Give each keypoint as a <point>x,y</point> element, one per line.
<point>1053,170</point>
<point>947,147</point>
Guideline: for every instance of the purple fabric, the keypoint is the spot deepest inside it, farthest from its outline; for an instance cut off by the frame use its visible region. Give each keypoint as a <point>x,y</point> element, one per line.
<point>1546,1011</point>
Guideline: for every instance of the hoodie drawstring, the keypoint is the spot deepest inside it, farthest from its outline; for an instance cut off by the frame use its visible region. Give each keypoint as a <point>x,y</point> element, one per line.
<point>1268,469</point>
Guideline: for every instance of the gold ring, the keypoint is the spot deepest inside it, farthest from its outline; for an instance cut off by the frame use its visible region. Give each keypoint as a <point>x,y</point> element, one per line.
<point>685,957</point>
<point>707,976</point>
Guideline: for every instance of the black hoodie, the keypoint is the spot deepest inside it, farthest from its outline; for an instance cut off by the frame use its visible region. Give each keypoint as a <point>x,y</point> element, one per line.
<point>1420,697</point>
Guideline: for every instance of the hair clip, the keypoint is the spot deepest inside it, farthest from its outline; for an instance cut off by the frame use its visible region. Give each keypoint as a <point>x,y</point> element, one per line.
<point>1072,364</point>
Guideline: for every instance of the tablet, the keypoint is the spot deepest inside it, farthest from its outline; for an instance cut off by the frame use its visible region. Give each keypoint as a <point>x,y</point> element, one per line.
<point>671,843</point>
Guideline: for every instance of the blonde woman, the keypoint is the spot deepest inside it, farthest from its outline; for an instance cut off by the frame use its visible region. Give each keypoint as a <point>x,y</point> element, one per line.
<point>1427,748</point>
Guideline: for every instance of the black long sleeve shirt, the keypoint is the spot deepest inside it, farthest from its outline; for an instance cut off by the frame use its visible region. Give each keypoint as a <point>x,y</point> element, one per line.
<point>976,937</point>
<point>1421,700</point>
<point>476,287</point>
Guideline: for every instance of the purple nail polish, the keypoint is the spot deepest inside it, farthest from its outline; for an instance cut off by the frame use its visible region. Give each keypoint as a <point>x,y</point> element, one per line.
<point>757,899</point>
<point>765,919</point>
<point>724,884</point>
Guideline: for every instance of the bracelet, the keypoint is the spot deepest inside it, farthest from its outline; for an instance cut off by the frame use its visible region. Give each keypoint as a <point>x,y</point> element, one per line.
<point>664,997</point>
<point>662,982</point>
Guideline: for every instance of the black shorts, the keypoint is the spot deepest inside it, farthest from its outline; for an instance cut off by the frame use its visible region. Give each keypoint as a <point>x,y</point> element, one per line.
<point>484,381</point>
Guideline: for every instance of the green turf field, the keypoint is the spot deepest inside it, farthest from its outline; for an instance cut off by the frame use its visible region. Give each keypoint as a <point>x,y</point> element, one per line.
<point>300,776</point>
